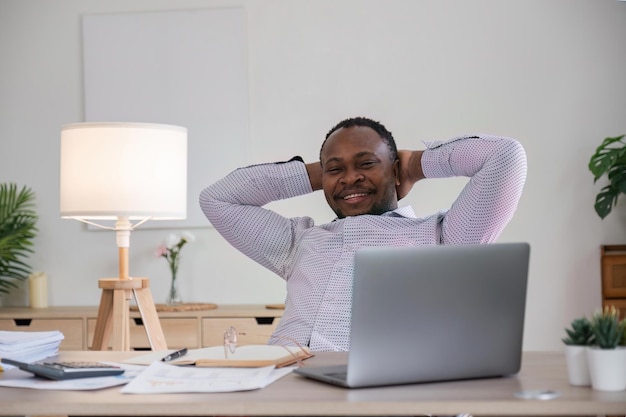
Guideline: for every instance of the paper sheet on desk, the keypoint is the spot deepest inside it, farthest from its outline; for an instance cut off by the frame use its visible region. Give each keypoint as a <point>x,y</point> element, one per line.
<point>161,378</point>
<point>21,379</point>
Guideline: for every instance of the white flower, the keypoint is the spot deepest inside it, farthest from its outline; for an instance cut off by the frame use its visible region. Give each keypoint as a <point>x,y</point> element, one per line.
<point>188,236</point>
<point>171,250</point>
<point>172,240</point>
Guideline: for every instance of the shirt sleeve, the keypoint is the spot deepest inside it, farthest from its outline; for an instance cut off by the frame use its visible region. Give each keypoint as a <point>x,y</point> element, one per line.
<point>497,170</point>
<point>233,205</point>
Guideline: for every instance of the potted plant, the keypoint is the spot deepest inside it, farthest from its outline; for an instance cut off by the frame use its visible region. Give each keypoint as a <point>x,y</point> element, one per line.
<point>606,358</point>
<point>609,159</point>
<point>17,231</point>
<point>579,336</point>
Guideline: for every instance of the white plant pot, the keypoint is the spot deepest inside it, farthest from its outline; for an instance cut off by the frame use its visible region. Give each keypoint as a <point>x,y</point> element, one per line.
<point>607,368</point>
<point>577,365</point>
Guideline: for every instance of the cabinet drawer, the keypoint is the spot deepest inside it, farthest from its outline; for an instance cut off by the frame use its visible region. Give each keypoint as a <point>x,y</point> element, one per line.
<point>72,329</point>
<point>614,271</point>
<point>179,333</point>
<point>252,330</point>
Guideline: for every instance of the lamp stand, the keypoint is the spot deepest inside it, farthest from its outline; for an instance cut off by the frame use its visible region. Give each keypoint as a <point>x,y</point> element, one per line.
<point>114,311</point>
<point>114,314</point>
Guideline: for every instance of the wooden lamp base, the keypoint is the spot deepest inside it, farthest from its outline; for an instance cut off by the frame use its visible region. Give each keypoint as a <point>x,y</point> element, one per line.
<point>114,314</point>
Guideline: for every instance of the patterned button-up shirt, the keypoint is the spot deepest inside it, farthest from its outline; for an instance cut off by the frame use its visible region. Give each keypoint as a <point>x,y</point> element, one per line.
<point>317,261</point>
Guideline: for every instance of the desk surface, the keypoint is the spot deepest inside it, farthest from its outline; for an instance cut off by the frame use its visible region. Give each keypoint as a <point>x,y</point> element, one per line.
<point>294,395</point>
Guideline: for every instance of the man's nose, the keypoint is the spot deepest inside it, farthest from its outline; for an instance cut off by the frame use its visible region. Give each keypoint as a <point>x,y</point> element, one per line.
<point>352,176</point>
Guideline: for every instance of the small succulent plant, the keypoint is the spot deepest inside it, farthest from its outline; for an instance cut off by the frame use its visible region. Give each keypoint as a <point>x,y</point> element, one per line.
<point>580,333</point>
<point>608,330</point>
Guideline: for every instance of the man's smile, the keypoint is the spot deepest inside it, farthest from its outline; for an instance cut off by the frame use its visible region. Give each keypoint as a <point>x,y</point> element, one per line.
<point>355,195</point>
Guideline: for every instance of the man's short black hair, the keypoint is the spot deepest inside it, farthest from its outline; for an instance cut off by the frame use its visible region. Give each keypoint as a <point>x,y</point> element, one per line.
<point>382,131</point>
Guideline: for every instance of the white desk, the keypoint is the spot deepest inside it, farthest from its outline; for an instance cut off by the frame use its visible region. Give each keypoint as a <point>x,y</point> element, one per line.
<point>295,395</point>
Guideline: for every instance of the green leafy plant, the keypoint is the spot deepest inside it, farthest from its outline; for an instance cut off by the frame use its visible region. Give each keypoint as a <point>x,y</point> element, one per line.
<point>580,333</point>
<point>609,159</point>
<point>608,330</point>
<point>17,230</point>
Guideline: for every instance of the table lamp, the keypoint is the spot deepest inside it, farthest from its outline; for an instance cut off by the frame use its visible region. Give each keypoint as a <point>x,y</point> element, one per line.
<point>126,172</point>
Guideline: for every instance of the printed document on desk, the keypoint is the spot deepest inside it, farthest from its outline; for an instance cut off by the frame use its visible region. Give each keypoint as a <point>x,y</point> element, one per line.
<point>21,379</point>
<point>161,378</point>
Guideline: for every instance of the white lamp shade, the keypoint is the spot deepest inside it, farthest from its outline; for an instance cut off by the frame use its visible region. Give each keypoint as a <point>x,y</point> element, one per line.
<point>134,170</point>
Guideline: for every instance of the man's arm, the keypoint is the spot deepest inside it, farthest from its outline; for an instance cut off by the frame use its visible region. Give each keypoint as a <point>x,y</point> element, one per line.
<point>315,175</point>
<point>234,206</point>
<point>496,167</point>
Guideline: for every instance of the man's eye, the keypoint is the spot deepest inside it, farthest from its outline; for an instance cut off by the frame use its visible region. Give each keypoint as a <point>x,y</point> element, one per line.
<point>367,164</point>
<point>333,170</point>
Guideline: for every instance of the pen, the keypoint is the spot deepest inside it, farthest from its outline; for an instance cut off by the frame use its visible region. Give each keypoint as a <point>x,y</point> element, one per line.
<point>175,355</point>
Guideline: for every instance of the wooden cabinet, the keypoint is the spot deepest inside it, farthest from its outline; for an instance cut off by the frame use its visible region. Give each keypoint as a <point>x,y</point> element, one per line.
<point>613,259</point>
<point>179,332</point>
<point>249,330</point>
<point>71,327</point>
<point>253,327</point>
<point>191,329</point>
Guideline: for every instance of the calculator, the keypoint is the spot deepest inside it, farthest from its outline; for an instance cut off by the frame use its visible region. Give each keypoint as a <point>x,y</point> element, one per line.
<point>67,370</point>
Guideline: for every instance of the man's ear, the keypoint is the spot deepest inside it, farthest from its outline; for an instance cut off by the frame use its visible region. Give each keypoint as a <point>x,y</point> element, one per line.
<point>396,171</point>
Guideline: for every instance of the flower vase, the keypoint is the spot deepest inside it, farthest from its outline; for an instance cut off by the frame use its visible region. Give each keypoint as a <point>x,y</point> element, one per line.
<point>173,296</point>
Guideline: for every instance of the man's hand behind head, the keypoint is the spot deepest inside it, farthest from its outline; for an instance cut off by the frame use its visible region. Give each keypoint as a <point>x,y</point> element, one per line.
<point>410,171</point>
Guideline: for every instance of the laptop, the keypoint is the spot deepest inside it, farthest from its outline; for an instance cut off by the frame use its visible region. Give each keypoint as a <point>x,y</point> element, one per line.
<point>433,313</point>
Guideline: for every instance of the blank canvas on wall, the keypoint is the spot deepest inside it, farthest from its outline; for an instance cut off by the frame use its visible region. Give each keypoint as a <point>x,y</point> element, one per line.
<point>185,68</point>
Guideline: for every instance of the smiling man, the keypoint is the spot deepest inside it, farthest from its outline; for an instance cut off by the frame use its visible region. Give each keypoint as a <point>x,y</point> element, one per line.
<point>359,172</point>
<point>363,176</point>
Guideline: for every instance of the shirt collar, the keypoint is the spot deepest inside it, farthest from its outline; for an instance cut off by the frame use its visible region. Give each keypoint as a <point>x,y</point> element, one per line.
<point>404,211</point>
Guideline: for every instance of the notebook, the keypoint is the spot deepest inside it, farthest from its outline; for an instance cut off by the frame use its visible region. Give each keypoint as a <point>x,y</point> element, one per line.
<point>433,313</point>
<point>248,356</point>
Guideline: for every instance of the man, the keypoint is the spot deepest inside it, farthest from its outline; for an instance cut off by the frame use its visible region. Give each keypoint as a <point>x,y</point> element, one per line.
<point>363,177</point>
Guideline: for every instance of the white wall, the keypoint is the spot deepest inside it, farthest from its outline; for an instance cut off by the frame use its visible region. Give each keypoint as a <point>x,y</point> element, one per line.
<point>547,72</point>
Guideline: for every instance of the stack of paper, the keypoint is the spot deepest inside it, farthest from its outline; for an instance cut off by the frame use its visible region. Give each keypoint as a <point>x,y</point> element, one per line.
<point>29,346</point>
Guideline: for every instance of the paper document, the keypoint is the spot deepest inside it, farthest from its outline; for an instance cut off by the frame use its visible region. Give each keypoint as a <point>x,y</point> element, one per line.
<point>11,340</point>
<point>21,379</point>
<point>28,346</point>
<point>161,378</point>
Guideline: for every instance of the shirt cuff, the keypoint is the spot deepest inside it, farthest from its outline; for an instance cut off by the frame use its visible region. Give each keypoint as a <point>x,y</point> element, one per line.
<point>295,158</point>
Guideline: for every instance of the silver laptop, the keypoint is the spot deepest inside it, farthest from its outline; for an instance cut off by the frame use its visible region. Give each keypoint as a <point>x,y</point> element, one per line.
<point>433,313</point>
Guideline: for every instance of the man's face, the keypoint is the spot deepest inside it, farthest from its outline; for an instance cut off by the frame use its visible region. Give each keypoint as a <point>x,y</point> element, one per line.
<point>358,176</point>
